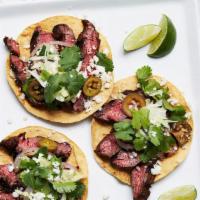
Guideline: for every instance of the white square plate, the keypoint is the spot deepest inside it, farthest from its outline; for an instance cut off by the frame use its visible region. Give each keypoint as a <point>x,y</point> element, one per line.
<point>114,18</point>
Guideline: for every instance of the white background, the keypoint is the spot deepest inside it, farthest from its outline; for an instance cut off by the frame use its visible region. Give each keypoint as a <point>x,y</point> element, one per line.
<point>114,19</point>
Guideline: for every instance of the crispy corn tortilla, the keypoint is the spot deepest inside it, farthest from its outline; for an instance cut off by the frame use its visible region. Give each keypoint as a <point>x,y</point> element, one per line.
<point>77,157</point>
<point>59,116</point>
<point>100,130</point>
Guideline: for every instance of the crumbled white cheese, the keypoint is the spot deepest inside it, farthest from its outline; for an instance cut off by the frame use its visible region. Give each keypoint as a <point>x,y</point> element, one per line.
<point>157,114</point>
<point>156,168</point>
<point>35,74</point>
<point>163,82</point>
<point>29,195</point>
<point>88,105</point>
<point>188,115</point>
<point>56,170</point>
<point>98,99</point>
<point>22,96</point>
<point>138,85</point>
<point>173,101</point>
<point>11,167</point>
<point>62,94</point>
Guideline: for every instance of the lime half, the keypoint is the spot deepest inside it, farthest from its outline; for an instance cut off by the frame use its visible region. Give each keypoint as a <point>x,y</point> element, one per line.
<point>164,43</point>
<point>141,36</point>
<point>186,192</point>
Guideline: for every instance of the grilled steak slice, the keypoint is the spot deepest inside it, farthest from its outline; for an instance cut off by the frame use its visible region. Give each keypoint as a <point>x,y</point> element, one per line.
<point>182,132</point>
<point>78,105</point>
<point>10,144</point>
<point>27,143</point>
<point>108,147</point>
<point>19,68</point>
<point>89,43</point>
<point>141,180</point>
<point>39,37</point>
<point>8,179</point>
<point>12,45</point>
<point>111,112</point>
<point>63,150</point>
<point>64,33</point>
<point>7,196</point>
<point>125,160</point>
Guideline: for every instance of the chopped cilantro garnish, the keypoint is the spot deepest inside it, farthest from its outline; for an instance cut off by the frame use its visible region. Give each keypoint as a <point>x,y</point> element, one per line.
<point>140,119</point>
<point>105,62</point>
<point>71,80</point>
<point>144,73</point>
<point>70,57</point>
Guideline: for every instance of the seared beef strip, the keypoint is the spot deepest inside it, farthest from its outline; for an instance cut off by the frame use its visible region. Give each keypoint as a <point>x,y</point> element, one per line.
<point>12,45</point>
<point>111,112</point>
<point>141,180</point>
<point>182,132</point>
<point>39,37</point>
<point>27,143</point>
<point>64,33</point>
<point>78,105</point>
<point>7,196</point>
<point>8,179</point>
<point>11,144</point>
<point>19,67</point>
<point>18,144</point>
<point>108,146</point>
<point>89,43</point>
<point>63,150</point>
<point>125,160</point>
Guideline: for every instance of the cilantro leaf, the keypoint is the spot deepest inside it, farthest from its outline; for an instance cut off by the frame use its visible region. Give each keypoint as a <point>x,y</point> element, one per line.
<point>149,153</point>
<point>140,118</point>
<point>70,57</point>
<point>42,150</point>
<point>27,164</point>
<point>105,62</point>
<point>126,135</point>
<point>140,141</point>
<point>144,73</point>
<point>28,179</point>
<point>124,130</point>
<point>78,192</point>
<point>176,113</point>
<point>155,135</point>
<point>42,51</point>
<point>72,81</point>
<point>45,75</point>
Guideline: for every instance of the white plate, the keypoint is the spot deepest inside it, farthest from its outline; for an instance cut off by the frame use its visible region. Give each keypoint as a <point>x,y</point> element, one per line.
<point>115,19</point>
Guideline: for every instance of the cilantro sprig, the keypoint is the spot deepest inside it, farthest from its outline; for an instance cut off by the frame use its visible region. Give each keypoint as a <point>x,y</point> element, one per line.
<point>36,176</point>
<point>105,62</point>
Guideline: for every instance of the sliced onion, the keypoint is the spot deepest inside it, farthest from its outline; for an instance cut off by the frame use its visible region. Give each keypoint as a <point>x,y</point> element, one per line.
<point>52,42</point>
<point>27,152</point>
<point>124,145</point>
<point>67,165</point>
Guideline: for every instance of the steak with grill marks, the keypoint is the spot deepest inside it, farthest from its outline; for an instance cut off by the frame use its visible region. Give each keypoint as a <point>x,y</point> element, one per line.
<point>39,37</point>
<point>111,112</point>
<point>64,33</point>
<point>89,43</point>
<point>63,150</point>
<point>7,196</point>
<point>141,181</point>
<point>125,160</point>
<point>108,146</point>
<point>12,45</point>
<point>8,179</point>
<point>19,68</point>
<point>78,105</point>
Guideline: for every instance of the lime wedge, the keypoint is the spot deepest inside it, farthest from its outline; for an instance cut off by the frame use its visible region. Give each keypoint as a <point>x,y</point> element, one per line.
<point>164,43</point>
<point>186,192</point>
<point>141,36</point>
